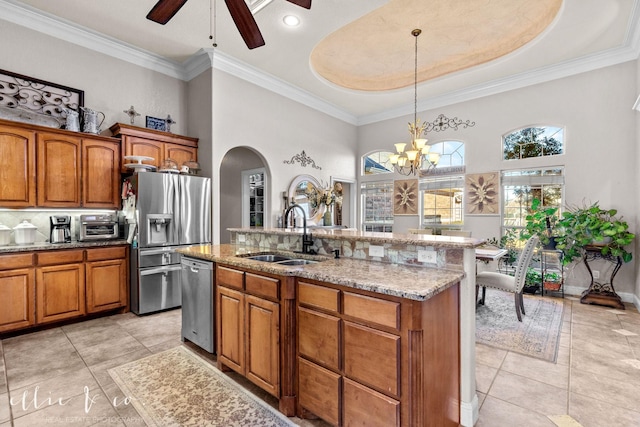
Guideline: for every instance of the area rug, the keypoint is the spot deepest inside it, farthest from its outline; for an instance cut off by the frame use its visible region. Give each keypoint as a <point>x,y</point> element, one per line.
<point>178,388</point>
<point>537,335</point>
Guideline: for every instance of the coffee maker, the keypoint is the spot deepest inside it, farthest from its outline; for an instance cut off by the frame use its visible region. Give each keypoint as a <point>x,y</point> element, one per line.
<point>60,229</point>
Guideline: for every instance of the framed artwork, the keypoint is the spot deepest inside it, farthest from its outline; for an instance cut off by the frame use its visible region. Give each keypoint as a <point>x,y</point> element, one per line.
<point>482,193</point>
<point>156,123</point>
<point>38,96</point>
<point>405,197</point>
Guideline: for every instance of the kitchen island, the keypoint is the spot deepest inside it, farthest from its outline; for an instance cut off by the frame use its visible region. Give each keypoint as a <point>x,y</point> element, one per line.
<point>383,340</point>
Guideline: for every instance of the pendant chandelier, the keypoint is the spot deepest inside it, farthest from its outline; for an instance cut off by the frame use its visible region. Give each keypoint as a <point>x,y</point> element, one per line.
<point>417,157</point>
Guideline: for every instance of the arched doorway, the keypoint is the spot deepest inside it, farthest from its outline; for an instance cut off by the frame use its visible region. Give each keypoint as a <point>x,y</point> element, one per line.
<point>233,164</point>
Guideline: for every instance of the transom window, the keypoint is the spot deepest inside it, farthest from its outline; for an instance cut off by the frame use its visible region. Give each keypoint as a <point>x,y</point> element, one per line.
<point>451,153</point>
<point>533,142</point>
<point>377,162</point>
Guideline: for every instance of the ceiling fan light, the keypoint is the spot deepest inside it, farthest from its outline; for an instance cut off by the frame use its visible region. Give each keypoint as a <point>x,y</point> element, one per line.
<point>291,20</point>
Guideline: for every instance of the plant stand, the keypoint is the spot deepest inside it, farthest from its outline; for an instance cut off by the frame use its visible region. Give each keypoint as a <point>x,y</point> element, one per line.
<point>601,293</point>
<point>551,265</point>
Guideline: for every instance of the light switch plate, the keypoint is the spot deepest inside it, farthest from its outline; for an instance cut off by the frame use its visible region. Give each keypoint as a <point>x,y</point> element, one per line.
<point>428,256</point>
<point>377,251</point>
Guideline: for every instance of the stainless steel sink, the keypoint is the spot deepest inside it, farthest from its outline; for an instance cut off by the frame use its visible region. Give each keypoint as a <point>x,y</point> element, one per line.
<point>280,259</point>
<point>296,262</point>
<point>269,258</point>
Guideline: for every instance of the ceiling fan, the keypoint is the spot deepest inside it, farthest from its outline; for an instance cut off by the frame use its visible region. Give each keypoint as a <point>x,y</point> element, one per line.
<point>164,10</point>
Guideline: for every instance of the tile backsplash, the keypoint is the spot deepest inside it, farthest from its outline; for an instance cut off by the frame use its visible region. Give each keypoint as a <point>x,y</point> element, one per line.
<point>40,219</point>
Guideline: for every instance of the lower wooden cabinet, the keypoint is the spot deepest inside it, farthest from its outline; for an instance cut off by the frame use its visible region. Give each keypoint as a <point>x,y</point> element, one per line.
<point>59,292</point>
<point>106,279</point>
<point>255,326</point>
<point>17,293</point>
<point>38,288</point>
<point>372,360</point>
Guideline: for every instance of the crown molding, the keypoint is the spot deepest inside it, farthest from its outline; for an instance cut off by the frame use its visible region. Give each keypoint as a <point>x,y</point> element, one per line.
<point>24,15</point>
<point>43,22</point>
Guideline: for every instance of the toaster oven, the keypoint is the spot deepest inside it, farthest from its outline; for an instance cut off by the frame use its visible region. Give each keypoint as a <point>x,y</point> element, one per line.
<point>98,227</point>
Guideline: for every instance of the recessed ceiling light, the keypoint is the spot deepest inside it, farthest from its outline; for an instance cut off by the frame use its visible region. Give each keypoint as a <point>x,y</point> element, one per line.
<point>291,20</point>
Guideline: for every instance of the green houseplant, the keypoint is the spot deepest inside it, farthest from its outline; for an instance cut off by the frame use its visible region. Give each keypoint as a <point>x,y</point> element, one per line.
<point>541,222</point>
<point>532,281</point>
<point>591,225</point>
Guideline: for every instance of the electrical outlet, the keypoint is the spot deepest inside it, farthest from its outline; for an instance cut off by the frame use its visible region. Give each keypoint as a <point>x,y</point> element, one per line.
<point>429,256</point>
<point>377,251</point>
<point>596,274</point>
<point>241,238</point>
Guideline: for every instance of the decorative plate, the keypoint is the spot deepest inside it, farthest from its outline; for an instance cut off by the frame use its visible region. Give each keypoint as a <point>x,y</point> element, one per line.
<point>139,159</point>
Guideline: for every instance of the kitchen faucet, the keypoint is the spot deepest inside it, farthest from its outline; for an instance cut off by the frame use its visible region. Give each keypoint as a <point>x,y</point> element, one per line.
<point>307,239</point>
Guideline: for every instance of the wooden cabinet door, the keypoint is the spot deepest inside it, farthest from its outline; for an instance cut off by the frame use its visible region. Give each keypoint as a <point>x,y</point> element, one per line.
<point>59,292</point>
<point>59,166</point>
<point>100,174</point>
<point>17,293</point>
<point>17,167</point>
<point>262,352</point>
<point>180,153</point>
<point>134,146</point>
<point>230,327</point>
<point>106,285</point>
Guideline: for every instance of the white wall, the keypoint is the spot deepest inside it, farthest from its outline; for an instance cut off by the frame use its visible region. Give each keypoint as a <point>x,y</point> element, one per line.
<point>601,155</point>
<point>110,85</point>
<point>278,129</point>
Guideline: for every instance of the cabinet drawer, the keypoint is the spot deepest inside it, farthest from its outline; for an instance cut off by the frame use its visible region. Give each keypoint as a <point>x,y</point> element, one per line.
<point>9,262</point>
<point>229,277</point>
<point>319,337</point>
<point>319,391</point>
<point>366,407</point>
<point>375,310</point>
<point>60,257</point>
<point>318,296</point>
<point>372,357</point>
<point>261,285</point>
<point>106,253</point>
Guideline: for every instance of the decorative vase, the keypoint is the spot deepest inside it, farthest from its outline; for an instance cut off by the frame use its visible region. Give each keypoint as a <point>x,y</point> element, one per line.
<point>327,220</point>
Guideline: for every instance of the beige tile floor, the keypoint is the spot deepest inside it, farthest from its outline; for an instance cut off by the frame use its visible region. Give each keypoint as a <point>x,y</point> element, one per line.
<point>59,376</point>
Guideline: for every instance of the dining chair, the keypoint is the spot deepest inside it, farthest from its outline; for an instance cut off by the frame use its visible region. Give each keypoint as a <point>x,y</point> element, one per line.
<point>456,233</point>
<point>508,283</point>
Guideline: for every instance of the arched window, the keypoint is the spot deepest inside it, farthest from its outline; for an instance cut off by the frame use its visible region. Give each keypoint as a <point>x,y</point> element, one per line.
<point>451,153</point>
<point>535,141</point>
<point>376,162</point>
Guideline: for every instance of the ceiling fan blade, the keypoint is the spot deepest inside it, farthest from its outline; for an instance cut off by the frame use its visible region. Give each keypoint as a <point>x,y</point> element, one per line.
<point>302,3</point>
<point>243,18</point>
<point>164,10</point>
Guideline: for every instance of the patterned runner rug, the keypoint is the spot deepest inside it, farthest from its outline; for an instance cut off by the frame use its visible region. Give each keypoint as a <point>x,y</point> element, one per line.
<point>537,335</point>
<point>178,388</point>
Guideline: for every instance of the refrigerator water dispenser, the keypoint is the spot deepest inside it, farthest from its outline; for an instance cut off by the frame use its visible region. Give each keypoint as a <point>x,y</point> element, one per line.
<point>159,229</point>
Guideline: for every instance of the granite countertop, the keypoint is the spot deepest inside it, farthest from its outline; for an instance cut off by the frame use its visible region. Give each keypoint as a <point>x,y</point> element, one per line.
<point>372,237</point>
<point>416,283</point>
<point>46,246</point>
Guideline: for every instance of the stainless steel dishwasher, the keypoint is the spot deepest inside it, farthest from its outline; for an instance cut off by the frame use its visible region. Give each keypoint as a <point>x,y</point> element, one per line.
<point>197,303</point>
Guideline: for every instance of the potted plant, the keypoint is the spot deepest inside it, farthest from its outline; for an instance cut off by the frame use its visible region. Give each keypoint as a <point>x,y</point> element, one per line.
<point>541,222</point>
<point>508,242</point>
<point>532,281</point>
<point>552,281</point>
<point>594,227</point>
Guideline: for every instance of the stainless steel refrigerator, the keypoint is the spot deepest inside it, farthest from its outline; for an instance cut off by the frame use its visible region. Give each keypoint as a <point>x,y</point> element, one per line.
<point>170,211</point>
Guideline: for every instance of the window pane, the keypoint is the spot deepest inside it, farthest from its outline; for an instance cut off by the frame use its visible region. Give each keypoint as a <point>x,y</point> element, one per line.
<point>377,202</point>
<point>376,163</point>
<point>533,142</point>
<point>442,201</point>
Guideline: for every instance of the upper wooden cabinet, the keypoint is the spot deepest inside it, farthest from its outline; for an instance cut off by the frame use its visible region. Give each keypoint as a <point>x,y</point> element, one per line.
<point>48,167</point>
<point>160,145</point>
<point>59,163</point>
<point>17,167</point>
<point>100,174</point>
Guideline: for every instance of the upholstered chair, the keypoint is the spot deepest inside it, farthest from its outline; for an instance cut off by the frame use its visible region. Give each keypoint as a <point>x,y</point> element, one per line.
<point>508,283</point>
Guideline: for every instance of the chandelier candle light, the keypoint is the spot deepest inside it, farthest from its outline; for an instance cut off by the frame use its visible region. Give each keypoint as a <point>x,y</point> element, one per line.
<point>411,161</point>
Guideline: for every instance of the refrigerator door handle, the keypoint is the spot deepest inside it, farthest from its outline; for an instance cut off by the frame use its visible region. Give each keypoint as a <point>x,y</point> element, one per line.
<point>167,269</point>
<point>157,251</point>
